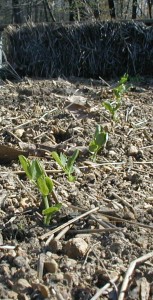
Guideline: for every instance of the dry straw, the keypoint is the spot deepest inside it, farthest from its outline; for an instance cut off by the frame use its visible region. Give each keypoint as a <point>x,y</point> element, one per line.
<point>106,49</point>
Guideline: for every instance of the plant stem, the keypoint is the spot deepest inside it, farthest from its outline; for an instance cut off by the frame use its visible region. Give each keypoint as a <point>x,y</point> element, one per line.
<point>46,204</point>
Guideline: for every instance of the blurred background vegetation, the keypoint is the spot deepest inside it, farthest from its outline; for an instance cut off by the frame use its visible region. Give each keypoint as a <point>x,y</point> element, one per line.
<point>21,11</point>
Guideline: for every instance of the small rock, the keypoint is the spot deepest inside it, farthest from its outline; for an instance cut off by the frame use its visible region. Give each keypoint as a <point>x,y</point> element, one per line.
<point>133,150</point>
<point>22,285</point>
<point>20,261</point>
<point>55,245</point>
<point>19,132</point>
<point>136,178</point>
<point>90,177</point>
<point>12,295</point>
<point>11,253</point>
<point>51,266</point>
<point>107,126</point>
<point>69,264</point>
<point>75,248</point>
<point>142,242</point>
<point>112,153</point>
<point>129,215</point>
<point>57,277</point>
<point>5,270</point>
<point>23,297</point>
<point>44,290</point>
<point>71,278</point>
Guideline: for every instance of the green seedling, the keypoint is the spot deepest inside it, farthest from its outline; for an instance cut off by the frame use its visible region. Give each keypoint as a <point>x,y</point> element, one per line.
<point>112,108</point>
<point>66,163</point>
<point>118,92</point>
<point>121,88</point>
<point>99,141</point>
<point>37,175</point>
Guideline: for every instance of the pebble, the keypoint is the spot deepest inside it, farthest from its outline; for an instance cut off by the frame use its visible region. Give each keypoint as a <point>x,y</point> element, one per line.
<point>142,242</point>
<point>55,245</point>
<point>112,153</point>
<point>75,248</point>
<point>12,295</point>
<point>57,277</point>
<point>24,297</point>
<point>71,278</point>
<point>90,177</point>
<point>1,239</point>
<point>51,266</point>
<point>44,290</point>
<point>19,132</point>
<point>69,264</point>
<point>12,253</point>
<point>22,285</point>
<point>20,261</point>
<point>133,150</point>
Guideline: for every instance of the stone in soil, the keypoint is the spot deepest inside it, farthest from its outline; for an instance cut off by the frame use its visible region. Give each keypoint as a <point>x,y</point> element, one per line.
<point>76,248</point>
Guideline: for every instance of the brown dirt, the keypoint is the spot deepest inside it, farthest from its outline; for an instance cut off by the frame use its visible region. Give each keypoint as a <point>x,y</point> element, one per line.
<point>76,265</point>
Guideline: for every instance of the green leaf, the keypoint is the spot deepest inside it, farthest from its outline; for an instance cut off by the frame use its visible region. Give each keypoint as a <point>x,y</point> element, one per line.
<point>49,183</point>
<point>43,188</point>
<point>124,79</point>
<point>51,210</point>
<point>36,170</point>
<point>101,139</point>
<point>109,107</point>
<point>98,130</point>
<point>120,89</point>
<point>57,158</point>
<point>63,159</point>
<point>93,147</point>
<point>72,160</point>
<point>25,163</point>
<point>71,178</point>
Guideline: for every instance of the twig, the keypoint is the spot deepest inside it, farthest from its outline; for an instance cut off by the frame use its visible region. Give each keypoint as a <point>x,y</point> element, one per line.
<point>94,165</point>
<point>104,81</point>
<point>126,221</point>
<point>123,201</point>
<point>63,231</point>
<point>28,193</point>
<point>7,247</point>
<point>24,124</point>
<point>145,147</point>
<point>49,239</point>
<point>104,288</point>
<point>98,230</point>
<point>12,69</point>
<point>142,162</point>
<point>103,223</point>
<point>103,265</point>
<point>129,272</point>
<point>13,135</point>
<point>42,237</point>
<point>88,252</point>
<point>40,267</point>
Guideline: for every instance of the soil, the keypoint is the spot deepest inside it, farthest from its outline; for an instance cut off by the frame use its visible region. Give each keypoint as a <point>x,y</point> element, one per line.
<point>40,116</point>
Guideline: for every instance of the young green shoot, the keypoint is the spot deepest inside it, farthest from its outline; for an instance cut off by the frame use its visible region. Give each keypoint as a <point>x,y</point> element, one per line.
<point>66,163</point>
<point>37,175</point>
<point>118,92</point>
<point>99,141</point>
